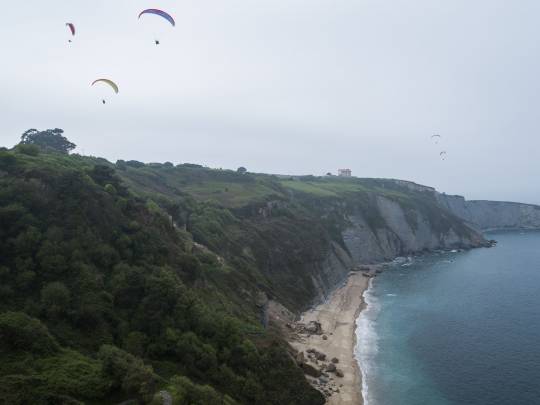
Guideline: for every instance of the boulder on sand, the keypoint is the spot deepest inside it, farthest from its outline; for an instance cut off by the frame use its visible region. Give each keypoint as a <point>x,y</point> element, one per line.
<point>320,356</point>
<point>310,370</point>
<point>299,358</point>
<point>314,327</point>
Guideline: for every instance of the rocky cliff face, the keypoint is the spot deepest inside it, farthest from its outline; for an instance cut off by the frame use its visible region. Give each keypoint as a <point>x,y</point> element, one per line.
<point>486,215</point>
<point>405,232</point>
<point>331,271</point>
<point>321,240</point>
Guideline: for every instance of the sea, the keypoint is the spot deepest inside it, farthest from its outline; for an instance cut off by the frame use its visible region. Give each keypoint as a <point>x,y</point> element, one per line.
<point>455,327</point>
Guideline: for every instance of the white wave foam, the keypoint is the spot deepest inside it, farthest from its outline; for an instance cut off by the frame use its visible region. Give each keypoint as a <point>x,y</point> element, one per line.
<point>366,337</point>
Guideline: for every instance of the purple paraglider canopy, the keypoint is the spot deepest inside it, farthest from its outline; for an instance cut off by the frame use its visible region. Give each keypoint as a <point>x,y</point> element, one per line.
<point>160,13</point>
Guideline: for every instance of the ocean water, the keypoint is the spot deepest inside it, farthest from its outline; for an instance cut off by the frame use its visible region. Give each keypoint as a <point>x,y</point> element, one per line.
<point>456,328</point>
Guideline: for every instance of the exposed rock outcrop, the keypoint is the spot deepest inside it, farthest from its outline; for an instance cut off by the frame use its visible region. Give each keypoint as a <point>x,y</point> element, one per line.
<point>404,232</point>
<point>486,215</point>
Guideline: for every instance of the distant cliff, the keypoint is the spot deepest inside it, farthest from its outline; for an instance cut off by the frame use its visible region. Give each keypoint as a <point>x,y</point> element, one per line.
<point>486,215</point>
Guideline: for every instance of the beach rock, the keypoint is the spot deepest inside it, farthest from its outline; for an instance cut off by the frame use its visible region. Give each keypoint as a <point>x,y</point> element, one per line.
<point>310,370</point>
<point>300,359</point>
<point>320,356</point>
<point>324,337</point>
<point>335,360</point>
<point>313,327</point>
<point>323,379</point>
<point>339,373</point>
<point>331,368</point>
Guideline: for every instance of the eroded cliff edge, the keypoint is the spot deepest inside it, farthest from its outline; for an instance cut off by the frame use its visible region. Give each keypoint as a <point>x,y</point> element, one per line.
<point>300,236</point>
<point>487,215</point>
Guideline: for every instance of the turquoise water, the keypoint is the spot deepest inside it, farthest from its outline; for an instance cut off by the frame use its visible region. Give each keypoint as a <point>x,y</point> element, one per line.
<point>456,328</point>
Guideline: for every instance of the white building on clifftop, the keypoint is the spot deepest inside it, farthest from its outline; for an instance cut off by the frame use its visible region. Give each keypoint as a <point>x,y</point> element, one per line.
<point>344,172</point>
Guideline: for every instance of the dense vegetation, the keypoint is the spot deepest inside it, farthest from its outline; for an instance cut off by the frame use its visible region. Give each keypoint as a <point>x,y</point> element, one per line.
<point>121,280</point>
<point>103,298</point>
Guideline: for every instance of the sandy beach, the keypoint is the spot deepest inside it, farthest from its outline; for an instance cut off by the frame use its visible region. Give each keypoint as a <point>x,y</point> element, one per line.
<point>336,339</point>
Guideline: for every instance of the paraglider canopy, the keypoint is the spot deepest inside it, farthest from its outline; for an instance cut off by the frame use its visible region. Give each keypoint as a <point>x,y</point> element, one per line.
<point>109,82</point>
<point>71,27</point>
<point>160,13</point>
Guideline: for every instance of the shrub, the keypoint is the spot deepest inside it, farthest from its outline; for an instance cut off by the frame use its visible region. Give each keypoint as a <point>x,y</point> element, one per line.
<point>71,373</point>
<point>30,150</point>
<point>128,372</point>
<point>19,332</point>
<point>185,392</point>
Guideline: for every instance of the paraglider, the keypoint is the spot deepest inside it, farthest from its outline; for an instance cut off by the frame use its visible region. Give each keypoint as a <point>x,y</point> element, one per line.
<point>71,27</point>
<point>159,13</point>
<point>112,84</point>
<point>443,155</point>
<point>436,138</point>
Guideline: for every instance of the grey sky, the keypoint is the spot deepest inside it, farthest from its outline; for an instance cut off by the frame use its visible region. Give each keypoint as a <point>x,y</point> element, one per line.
<point>289,86</point>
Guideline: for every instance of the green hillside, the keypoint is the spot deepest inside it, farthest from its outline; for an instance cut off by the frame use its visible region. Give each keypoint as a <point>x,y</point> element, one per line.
<point>104,299</point>
<point>120,280</point>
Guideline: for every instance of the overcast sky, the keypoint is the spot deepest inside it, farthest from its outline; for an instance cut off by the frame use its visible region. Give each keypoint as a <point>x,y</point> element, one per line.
<point>288,86</point>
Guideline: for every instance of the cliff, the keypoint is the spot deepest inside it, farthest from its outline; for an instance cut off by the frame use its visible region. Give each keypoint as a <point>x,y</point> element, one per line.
<point>481,214</point>
<point>304,234</point>
<point>400,236</point>
<point>486,215</point>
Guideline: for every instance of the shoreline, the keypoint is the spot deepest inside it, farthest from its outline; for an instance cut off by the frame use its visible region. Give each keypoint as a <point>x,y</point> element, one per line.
<point>336,339</point>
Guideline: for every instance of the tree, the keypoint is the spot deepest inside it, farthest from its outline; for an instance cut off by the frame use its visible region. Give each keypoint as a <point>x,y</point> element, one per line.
<point>19,332</point>
<point>55,297</point>
<point>128,372</point>
<point>51,139</point>
<point>241,170</point>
